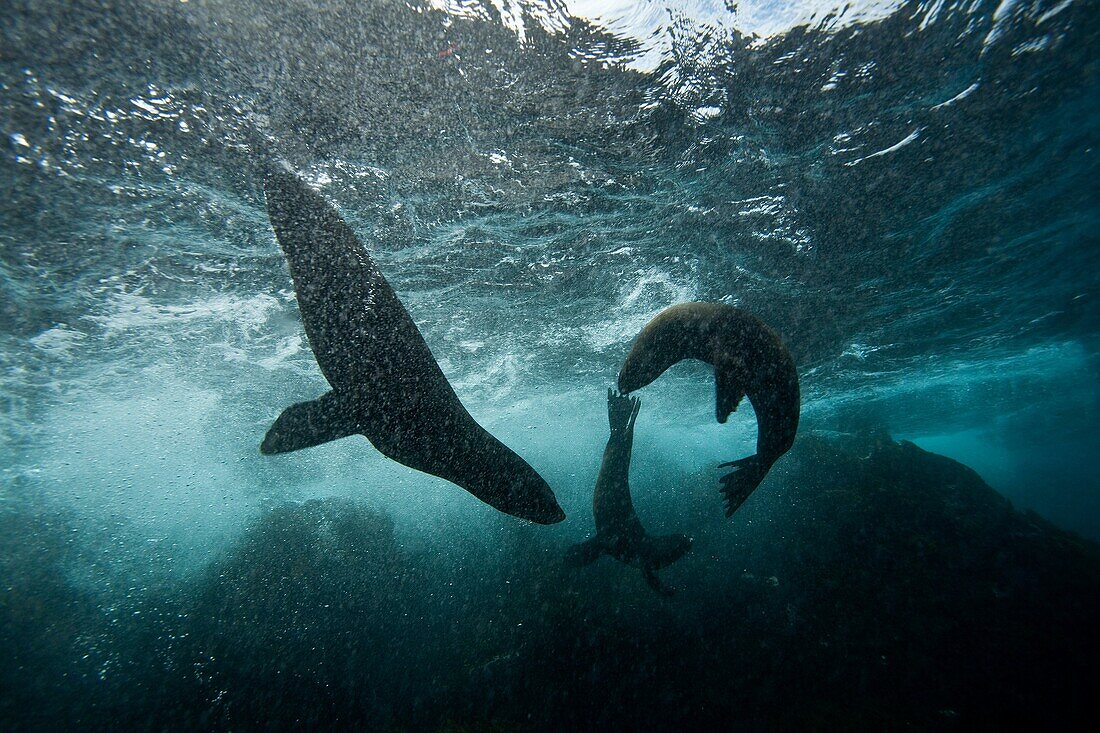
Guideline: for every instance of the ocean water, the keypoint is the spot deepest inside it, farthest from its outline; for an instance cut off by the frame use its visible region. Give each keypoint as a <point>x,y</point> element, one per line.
<point>906,191</point>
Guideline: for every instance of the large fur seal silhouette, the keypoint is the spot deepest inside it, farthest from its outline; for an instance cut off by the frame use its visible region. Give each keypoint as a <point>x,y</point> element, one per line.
<point>748,358</point>
<point>386,385</point>
<point>619,532</point>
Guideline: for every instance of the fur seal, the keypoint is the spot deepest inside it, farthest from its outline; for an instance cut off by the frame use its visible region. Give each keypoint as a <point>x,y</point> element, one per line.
<point>749,359</point>
<point>386,385</point>
<point>619,532</point>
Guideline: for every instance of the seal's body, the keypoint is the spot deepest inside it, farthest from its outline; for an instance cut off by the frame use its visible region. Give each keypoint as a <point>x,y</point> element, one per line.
<point>749,359</point>
<point>386,385</point>
<point>619,532</point>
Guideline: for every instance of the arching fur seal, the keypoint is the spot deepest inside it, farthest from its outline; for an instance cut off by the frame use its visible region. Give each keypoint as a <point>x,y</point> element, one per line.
<point>386,385</point>
<point>619,533</point>
<point>748,358</point>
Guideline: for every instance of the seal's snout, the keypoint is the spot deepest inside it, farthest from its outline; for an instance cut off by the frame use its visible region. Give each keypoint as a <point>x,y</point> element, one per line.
<point>628,379</point>
<point>555,515</point>
<point>640,368</point>
<point>541,506</point>
<point>525,495</point>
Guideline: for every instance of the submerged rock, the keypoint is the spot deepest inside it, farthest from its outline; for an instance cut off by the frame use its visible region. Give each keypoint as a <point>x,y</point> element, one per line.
<point>868,584</point>
<point>921,596</point>
<point>300,624</point>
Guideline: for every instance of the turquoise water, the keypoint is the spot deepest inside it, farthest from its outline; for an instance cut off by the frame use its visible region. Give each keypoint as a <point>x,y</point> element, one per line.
<point>905,191</point>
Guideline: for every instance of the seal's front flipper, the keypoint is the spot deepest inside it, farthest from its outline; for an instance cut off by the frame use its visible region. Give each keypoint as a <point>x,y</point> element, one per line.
<point>727,388</point>
<point>307,424</point>
<point>738,463</point>
<point>746,475</point>
<point>655,582</point>
<point>584,553</point>
<point>622,411</point>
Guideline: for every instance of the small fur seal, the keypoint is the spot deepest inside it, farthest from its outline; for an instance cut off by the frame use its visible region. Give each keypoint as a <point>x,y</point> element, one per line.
<point>748,358</point>
<point>386,385</point>
<point>619,533</point>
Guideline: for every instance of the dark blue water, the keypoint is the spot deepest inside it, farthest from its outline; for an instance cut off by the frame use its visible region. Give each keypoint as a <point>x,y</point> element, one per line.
<point>907,192</point>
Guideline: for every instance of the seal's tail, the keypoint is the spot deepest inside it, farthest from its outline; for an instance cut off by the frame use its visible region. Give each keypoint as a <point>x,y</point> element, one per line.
<point>583,553</point>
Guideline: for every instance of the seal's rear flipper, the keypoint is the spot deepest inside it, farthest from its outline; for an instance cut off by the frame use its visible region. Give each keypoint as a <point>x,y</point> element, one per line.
<point>663,550</point>
<point>746,475</point>
<point>583,553</point>
<point>307,424</point>
<point>655,582</point>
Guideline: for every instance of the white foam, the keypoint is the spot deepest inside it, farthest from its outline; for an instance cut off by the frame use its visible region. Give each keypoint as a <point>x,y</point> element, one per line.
<point>648,22</point>
<point>640,299</point>
<point>958,97</point>
<point>134,311</point>
<point>914,135</point>
<point>58,340</point>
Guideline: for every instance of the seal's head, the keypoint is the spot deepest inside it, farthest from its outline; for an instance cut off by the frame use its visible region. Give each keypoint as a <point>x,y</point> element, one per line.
<point>639,369</point>
<point>662,551</point>
<point>531,498</point>
<point>510,485</point>
<point>678,332</point>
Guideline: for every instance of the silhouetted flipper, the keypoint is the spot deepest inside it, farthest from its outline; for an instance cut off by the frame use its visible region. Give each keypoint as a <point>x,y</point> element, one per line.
<point>655,582</point>
<point>306,424</point>
<point>746,475</point>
